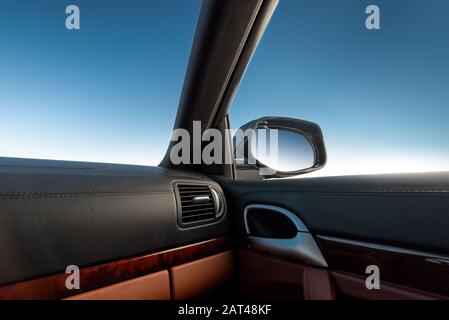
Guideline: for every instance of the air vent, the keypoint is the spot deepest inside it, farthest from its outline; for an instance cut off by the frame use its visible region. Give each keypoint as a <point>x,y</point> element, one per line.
<point>198,203</point>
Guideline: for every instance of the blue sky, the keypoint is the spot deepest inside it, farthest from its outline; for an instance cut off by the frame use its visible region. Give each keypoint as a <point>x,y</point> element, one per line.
<point>109,92</point>
<point>381,97</point>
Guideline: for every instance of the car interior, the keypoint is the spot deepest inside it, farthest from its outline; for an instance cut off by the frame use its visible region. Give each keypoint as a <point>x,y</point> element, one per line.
<point>221,231</point>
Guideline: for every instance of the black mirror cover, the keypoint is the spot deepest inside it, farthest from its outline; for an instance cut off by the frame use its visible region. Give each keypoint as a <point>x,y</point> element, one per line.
<point>308,129</point>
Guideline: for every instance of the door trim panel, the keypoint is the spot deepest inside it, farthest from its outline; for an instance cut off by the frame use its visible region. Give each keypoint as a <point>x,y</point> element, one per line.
<point>353,286</point>
<point>404,210</point>
<point>414,269</point>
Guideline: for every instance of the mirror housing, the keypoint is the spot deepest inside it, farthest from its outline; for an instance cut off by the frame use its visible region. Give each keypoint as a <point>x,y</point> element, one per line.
<point>248,162</point>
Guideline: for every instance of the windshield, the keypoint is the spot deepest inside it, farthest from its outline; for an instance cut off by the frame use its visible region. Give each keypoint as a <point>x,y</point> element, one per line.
<point>106,92</point>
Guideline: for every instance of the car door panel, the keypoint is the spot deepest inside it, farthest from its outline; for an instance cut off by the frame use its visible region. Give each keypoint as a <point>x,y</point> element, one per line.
<point>414,269</point>
<point>396,222</point>
<point>353,286</point>
<point>266,278</point>
<point>403,210</point>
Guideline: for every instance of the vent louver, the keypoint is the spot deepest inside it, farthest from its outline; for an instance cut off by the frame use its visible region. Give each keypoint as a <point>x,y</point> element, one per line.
<point>197,203</point>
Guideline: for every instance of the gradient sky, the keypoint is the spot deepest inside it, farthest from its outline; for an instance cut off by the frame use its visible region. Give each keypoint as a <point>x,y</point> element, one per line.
<point>109,92</point>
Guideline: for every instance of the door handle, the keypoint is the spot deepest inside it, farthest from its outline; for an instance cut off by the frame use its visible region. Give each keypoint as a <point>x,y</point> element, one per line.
<point>301,248</point>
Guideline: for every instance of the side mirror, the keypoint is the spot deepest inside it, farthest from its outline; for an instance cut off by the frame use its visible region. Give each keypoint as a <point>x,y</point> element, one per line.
<point>275,147</point>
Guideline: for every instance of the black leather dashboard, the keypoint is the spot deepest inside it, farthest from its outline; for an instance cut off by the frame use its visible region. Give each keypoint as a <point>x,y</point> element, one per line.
<point>55,213</point>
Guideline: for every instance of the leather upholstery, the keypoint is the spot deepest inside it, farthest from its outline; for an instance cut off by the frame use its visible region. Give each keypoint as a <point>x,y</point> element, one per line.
<point>202,277</point>
<point>55,213</point>
<point>318,284</point>
<point>154,286</point>
<point>405,210</point>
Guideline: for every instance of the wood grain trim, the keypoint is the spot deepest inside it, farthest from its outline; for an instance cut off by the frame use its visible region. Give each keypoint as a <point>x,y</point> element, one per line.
<point>53,287</point>
<point>414,269</point>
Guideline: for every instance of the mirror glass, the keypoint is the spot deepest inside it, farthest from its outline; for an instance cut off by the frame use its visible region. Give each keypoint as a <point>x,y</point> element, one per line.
<point>292,152</point>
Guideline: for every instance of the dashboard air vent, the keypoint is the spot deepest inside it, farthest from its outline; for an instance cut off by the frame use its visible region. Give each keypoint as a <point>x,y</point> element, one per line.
<point>198,203</point>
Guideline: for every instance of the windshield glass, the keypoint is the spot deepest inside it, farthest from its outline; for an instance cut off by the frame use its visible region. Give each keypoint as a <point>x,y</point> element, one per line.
<point>106,92</point>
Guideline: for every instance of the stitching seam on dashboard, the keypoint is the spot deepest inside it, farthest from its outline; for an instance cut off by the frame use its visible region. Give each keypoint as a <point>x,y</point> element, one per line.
<point>20,196</point>
<point>354,191</point>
